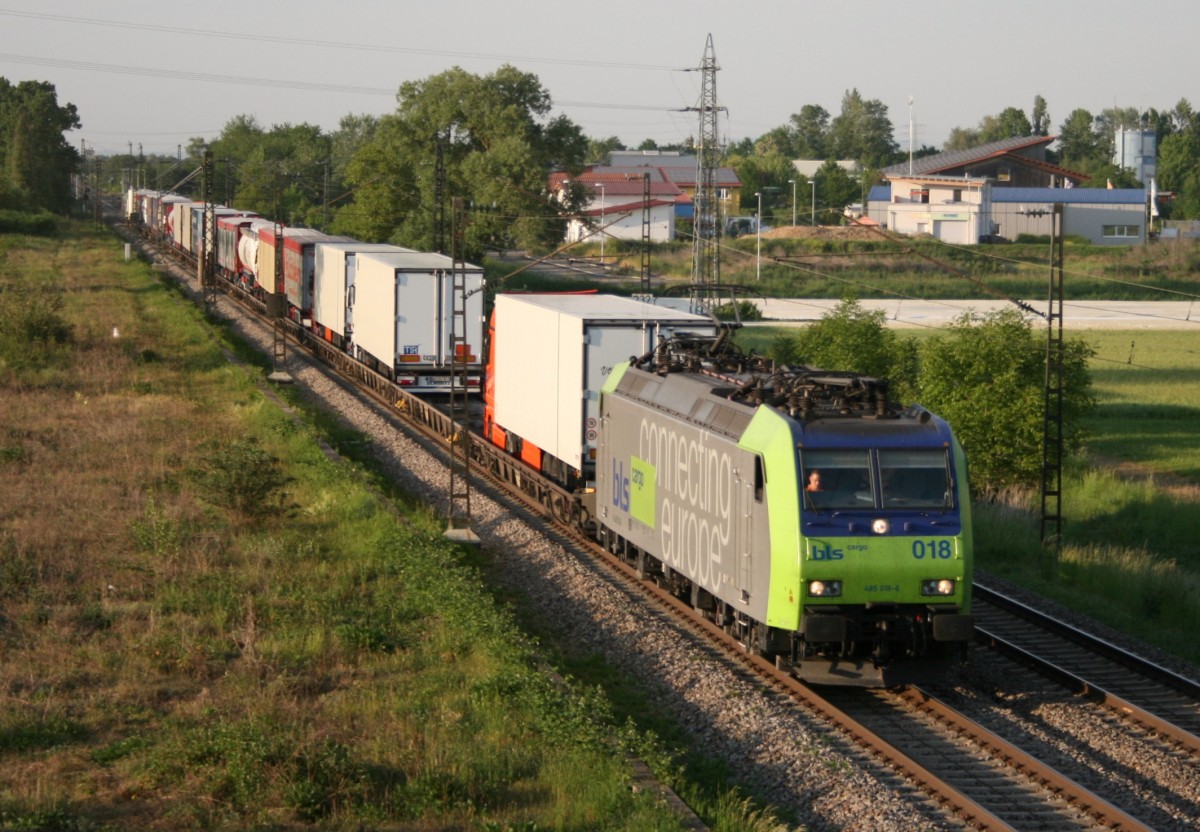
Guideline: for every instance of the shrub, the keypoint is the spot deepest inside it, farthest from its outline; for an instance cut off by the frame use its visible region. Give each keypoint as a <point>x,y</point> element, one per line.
<point>242,477</point>
<point>852,338</point>
<point>39,224</point>
<point>986,377</point>
<point>31,317</point>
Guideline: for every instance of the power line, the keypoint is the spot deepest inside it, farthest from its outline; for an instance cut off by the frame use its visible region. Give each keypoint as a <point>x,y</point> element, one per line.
<point>150,72</point>
<point>90,66</point>
<point>358,47</point>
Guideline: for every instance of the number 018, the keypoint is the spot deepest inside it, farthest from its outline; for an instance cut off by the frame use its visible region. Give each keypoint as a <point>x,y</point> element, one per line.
<point>942,548</point>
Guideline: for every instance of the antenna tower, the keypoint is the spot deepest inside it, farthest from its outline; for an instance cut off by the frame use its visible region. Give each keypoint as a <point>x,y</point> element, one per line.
<point>706,263</point>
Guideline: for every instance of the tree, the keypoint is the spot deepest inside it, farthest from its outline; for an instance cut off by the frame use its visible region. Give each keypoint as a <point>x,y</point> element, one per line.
<point>850,337</point>
<point>811,132</point>
<point>761,171</point>
<point>283,173</point>
<point>600,150</point>
<point>36,162</point>
<point>962,138</point>
<point>1113,118</point>
<point>863,132</point>
<point>1184,117</point>
<point>776,142</point>
<point>1079,146</point>
<point>1010,123</point>
<point>353,132</point>
<point>1039,118</point>
<point>986,377</point>
<point>835,189</point>
<point>1179,171</point>
<point>498,146</point>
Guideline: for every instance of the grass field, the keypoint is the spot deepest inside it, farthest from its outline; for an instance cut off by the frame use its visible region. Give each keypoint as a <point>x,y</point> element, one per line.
<point>1131,557</point>
<point>206,623</point>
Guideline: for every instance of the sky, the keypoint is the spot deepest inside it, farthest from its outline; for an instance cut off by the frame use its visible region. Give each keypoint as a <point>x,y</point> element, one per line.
<point>155,74</point>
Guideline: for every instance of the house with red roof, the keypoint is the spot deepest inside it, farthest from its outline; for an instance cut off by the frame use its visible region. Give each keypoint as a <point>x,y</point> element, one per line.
<point>662,183</point>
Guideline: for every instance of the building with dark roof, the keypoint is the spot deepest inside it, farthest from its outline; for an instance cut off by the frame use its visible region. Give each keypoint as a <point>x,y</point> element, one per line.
<point>1010,163</point>
<point>617,201</point>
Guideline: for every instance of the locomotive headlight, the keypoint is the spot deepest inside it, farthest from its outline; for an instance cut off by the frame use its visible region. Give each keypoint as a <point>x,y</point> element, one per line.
<point>944,586</point>
<point>824,589</point>
<point>880,526</point>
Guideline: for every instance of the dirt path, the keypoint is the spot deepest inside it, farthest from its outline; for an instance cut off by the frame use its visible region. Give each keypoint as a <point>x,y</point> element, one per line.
<point>1179,487</point>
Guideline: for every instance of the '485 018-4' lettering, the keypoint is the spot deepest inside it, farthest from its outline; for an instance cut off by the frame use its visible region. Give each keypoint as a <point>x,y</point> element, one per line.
<point>942,549</point>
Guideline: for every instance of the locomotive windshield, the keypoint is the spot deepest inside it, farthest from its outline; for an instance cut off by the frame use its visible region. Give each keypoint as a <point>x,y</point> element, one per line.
<point>838,479</point>
<point>899,479</point>
<point>915,479</point>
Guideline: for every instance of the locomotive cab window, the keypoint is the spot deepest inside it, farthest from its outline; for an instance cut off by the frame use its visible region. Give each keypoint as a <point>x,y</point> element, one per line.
<point>912,478</point>
<point>837,479</point>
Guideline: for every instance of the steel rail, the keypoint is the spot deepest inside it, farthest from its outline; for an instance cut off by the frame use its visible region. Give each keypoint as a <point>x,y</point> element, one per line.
<point>1086,800</point>
<point>1128,697</point>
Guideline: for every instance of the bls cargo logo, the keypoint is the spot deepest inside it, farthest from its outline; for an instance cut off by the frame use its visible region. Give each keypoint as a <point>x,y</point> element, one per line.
<point>635,493</point>
<point>620,482</point>
<point>826,552</point>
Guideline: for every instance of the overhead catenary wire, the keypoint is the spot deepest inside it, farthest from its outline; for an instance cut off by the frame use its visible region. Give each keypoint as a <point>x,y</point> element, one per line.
<point>330,44</point>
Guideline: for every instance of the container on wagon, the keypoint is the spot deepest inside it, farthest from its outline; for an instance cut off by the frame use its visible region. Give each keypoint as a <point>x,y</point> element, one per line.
<point>178,218</point>
<point>299,261</point>
<point>229,235</point>
<point>210,237</point>
<point>268,280</point>
<point>334,292</point>
<point>550,354</point>
<point>248,260</point>
<point>408,312</point>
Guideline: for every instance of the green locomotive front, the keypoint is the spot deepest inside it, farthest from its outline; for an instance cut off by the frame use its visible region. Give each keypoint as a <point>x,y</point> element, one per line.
<point>799,509</point>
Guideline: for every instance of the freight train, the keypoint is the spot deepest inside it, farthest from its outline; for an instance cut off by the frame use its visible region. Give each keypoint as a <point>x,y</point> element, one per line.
<point>391,308</point>
<point>801,510</point>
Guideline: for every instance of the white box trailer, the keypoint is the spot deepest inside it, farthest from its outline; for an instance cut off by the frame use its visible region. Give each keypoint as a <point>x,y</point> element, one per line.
<point>181,223</point>
<point>551,354</point>
<point>404,316</point>
<point>334,290</point>
<point>199,231</point>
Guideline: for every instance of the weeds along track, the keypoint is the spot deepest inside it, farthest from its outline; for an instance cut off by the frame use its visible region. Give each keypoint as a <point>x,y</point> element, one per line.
<point>966,757</point>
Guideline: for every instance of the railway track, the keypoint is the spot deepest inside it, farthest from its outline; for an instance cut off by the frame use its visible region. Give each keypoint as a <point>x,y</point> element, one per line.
<point>1131,686</point>
<point>979,779</point>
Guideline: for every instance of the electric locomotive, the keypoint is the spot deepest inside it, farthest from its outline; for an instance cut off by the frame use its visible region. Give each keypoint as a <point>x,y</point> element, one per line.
<point>800,509</point>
